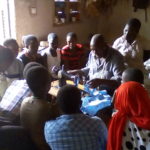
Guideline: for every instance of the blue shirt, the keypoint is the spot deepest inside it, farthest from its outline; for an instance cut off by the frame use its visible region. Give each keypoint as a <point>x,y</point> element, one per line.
<point>76,132</point>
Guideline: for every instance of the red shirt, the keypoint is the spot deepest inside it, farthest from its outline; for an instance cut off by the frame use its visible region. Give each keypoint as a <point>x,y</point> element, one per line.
<point>72,59</point>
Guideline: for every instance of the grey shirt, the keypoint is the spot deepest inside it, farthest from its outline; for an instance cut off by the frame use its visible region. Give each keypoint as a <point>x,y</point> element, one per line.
<point>110,67</point>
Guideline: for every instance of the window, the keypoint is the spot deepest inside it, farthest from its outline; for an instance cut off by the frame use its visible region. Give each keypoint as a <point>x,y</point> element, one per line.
<point>66,11</point>
<point>6,20</point>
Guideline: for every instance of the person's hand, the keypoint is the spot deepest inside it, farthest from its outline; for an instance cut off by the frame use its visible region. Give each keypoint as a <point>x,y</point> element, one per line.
<point>94,83</point>
<point>74,72</point>
<point>115,112</point>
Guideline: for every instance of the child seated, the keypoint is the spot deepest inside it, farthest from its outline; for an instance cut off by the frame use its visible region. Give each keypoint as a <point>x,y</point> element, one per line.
<point>130,74</point>
<point>130,125</point>
<point>72,55</point>
<point>133,74</point>
<point>30,53</point>
<point>36,110</point>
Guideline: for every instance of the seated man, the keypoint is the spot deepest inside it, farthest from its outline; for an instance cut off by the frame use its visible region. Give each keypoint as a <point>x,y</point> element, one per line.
<point>36,110</point>
<point>52,52</point>
<point>72,54</point>
<point>128,45</point>
<point>30,53</point>
<point>74,130</point>
<point>15,71</point>
<point>6,59</point>
<point>104,67</point>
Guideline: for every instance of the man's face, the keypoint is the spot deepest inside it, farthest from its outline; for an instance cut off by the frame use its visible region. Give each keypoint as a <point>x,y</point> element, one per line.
<point>14,48</point>
<point>33,46</point>
<point>130,33</point>
<point>71,42</point>
<point>53,43</point>
<point>99,47</point>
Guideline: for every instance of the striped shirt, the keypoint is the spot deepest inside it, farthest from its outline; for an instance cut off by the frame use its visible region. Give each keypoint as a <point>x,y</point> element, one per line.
<point>73,58</point>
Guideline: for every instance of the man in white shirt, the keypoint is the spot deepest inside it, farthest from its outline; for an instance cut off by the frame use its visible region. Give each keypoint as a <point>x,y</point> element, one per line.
<point>52,52</point>
<point>128,44</point>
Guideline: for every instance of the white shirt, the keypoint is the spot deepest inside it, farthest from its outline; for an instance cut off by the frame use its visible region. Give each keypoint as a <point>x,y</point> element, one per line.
<point>133,53</point>
<point>52,61</point>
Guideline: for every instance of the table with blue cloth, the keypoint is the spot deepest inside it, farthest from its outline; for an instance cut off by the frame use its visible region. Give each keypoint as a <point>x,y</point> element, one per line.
<point>93,101</point>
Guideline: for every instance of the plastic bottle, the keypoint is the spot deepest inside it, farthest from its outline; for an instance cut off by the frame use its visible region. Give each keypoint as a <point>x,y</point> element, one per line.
<point>76,80</point>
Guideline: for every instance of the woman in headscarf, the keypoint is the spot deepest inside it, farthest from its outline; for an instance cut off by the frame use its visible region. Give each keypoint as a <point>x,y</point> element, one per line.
<point>130,127</point>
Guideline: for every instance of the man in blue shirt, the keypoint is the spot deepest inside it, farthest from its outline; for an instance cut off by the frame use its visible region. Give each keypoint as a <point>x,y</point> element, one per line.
<point>74,130</point>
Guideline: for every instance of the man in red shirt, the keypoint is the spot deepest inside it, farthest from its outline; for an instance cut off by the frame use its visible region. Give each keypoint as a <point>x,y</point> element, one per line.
<point>72,55</point>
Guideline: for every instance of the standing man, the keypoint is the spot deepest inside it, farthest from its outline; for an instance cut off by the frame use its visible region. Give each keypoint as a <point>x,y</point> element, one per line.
<point>128,45</point>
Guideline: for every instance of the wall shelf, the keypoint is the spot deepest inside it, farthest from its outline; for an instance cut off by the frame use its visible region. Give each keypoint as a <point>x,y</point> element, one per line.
<point>66,12</point>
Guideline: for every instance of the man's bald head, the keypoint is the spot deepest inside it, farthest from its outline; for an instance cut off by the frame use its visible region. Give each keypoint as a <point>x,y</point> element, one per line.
<point>99,45</point>
<point>96,38</point>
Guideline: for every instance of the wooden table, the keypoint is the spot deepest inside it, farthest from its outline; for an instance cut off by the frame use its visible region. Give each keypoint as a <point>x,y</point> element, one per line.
<point>55,88</point>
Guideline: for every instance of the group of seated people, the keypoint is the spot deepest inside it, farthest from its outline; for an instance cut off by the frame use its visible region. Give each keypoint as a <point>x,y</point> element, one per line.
<point>58,123</point>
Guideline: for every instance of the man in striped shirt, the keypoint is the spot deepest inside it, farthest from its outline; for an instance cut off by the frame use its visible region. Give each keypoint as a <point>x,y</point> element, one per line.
<point>72,55</point>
